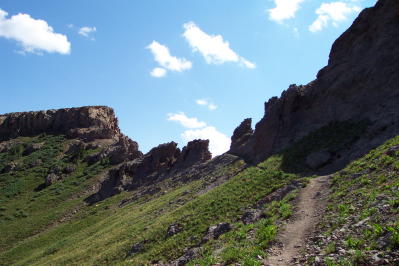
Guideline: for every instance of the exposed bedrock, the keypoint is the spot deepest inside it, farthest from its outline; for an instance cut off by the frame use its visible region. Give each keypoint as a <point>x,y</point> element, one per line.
<point>360,82</point>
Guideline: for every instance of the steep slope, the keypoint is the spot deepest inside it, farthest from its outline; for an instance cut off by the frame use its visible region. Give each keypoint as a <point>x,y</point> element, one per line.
<point>360,83</point>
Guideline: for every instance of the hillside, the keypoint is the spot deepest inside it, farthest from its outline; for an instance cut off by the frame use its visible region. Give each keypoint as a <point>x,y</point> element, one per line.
<point>315,183</point>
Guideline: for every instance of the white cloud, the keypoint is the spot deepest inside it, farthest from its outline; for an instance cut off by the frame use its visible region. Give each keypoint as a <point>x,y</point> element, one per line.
<point>201,102</point>
<point>34,35</point>
<point>158,72</point>
<point>166,60</point>
<point>212,47</point>
<point>212,106</point>
<point>219,143</point>
<point>209,105</point>
<point>185,121</point>
<point>284,9</point>
<point>86,31</point>
<point>335,12</point>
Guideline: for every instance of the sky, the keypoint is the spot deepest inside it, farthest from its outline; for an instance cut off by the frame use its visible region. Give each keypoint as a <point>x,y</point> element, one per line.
<point>173,70</point>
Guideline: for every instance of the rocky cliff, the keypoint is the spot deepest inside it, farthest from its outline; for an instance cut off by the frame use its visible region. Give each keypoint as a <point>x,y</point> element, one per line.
<point>161,162</point>
<point>360,83</point>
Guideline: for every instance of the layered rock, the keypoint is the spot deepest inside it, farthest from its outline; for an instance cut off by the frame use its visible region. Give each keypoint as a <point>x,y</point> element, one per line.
<point>88,124</point>
<point>360,82</point>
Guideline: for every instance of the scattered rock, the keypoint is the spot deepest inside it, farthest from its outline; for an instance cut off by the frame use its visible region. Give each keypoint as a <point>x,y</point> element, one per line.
<point>32,148</point>
<point>251,216</point>
<point>173,229</point>
<point>51,179</point>
<point>188,256</point>
<point>12,166</point>
<point>217,230</point>
<point>136,248</point>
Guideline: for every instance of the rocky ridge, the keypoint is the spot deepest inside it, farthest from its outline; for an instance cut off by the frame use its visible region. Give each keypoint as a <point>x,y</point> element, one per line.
<point>360,83</point>
<point>96,127</point>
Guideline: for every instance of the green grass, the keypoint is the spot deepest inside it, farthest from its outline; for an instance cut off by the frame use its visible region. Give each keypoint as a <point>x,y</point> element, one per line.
<point>367,189</point>
<point>26,210</point>
<point>104,233</point>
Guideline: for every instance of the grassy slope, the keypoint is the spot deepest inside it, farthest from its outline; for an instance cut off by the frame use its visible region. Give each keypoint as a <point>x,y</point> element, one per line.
<point>364,208</point>
<point>104,233</point>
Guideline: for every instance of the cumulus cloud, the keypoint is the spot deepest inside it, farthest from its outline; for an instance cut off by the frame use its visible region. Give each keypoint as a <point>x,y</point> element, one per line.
<point>334,12</point>
<point>34,35</point>
<point>158,72</point>
<point>186,121</point>
<point>219,143</point>
<point>163,57</point>
<point>213,48</point>
<point>87,31</point>
<point>284,9</point>
<point>207,104</point>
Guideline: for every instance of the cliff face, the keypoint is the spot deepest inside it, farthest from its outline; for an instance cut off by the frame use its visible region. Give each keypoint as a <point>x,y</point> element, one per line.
<point>89,122</point>
<point>360,82</point>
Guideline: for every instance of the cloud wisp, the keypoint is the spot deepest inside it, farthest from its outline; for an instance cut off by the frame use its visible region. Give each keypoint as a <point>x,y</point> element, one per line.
<point>334,12</point>
<point>33,35</point>
<point>219,143</point>
<point>284,10</point>
<point>163,57</point>
<point>185,121</point>
<point>213,48</point>
<point>206,103</point>
<point>87,31</point>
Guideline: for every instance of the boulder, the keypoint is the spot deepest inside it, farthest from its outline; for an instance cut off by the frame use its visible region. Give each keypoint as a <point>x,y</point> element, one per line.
<point>32,148</point>
<point>217,230</point>
<point>51,179</point>
<point>173,229</point>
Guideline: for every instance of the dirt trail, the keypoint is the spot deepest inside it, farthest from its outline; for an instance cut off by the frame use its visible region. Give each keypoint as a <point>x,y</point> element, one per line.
<point>291,240</point>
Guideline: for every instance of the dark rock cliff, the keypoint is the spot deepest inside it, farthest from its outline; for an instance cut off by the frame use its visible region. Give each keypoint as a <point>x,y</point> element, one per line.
<point>360,82</point>
<point>161,162</point>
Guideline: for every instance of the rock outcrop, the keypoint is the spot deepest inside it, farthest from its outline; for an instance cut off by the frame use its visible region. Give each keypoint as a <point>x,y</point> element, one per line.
<point>196,151</point>
<point>88,124</point>
<point>240,137</point>
<point>360,82</point>
<point>159,163</point>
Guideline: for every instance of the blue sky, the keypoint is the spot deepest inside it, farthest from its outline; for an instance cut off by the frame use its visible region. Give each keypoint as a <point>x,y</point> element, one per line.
<point>172,70</point>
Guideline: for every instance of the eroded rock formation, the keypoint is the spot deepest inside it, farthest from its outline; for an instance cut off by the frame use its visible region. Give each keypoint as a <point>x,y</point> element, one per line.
<point>159,163</point>
<point>96,124</point>
<point>360,82</point>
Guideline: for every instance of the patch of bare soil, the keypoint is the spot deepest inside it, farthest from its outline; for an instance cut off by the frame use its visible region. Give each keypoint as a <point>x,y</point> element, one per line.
<point>309,208</point>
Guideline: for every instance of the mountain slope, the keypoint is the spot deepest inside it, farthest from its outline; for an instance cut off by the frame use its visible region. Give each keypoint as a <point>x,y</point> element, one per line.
<point>75,191</point>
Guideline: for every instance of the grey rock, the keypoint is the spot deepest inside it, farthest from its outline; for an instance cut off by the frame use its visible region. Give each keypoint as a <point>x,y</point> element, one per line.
<point>217,230</point>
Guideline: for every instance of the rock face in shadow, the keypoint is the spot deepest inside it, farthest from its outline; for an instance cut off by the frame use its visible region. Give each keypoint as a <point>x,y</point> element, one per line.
<point>195,152</point>
<point>159,163</point>
<point>240,137</point>
<point>360,82</point>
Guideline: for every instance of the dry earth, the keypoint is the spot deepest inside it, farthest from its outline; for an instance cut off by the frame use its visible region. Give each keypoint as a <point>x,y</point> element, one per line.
<point>308,211</point>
